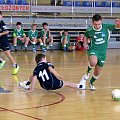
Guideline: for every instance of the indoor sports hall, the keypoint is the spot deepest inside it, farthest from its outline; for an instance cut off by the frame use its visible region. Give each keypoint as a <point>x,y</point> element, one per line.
<point>66,103</point>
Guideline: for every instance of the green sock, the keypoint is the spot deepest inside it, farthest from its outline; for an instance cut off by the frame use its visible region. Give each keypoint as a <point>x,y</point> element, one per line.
<point>34,46</point>
<point>41,46</point>
<point>92,80</point>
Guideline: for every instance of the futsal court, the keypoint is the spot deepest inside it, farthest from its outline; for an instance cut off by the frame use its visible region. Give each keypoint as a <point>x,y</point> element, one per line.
<point>66,103</point>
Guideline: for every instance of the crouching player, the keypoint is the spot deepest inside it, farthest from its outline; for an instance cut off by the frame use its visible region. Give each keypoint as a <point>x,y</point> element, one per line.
<point>47,76</point>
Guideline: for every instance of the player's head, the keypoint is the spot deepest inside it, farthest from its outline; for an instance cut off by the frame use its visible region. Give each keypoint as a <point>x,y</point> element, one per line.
<point>81,34</point>
<point>34,26</point>
<point>97,21</point>
<point>65,32</point>
<point>0,15</point>
<point>18,25</point>
<point>40,57</point>
<point>45,25</point>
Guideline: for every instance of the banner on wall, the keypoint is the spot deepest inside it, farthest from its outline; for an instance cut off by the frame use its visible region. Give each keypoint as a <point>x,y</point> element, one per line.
<point>66,9</point>
<point>22,8</point>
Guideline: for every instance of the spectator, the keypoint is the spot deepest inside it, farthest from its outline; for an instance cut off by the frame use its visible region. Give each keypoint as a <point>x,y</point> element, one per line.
<point>32,36</point>
<point>19,36</point>
<point>65,41</point>
<point>46,37</point>
<point>80,42</point>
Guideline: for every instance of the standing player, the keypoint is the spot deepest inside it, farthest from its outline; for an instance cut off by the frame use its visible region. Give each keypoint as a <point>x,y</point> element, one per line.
<point>46,37</point>
<point>19,36</point>
<point>4,45</point>
<point>32,36</point>
<point>99,35</point>
<point>47,76</point>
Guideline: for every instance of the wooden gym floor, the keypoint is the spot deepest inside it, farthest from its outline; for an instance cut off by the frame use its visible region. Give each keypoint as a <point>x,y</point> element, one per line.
<point>65,103</point>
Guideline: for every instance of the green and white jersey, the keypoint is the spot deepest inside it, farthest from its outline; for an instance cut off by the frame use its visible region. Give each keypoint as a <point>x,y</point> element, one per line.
<point>99,38</point>
<point>63,37</point>
<point>19,33</point>
<point>32,34</point>
<point>43,32</point>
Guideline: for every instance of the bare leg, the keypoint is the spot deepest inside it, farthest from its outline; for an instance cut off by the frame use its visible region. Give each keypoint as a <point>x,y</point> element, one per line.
<point>69,84</point>
<point>8,54</point>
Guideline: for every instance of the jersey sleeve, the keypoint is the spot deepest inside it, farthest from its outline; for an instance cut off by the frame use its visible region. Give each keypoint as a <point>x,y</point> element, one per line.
<point>3,28</point>
<point>14,33</point>
<point>41,33</point>
<point>35,72</point>
<point>50,64</point>
<point>29,33</point>
<point>110,26</point>
<point>23,33</point>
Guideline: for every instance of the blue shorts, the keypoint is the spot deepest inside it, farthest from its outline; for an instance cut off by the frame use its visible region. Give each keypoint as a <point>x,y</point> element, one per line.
<point>4,43</point>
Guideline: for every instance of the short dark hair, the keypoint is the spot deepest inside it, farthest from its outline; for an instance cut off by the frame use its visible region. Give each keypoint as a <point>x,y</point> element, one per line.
<point>18,23</point>
<point>33,25</point>
<point>43,24</point>
<point>39,57</point>
<point>96,17</point>
<point>0,13</point>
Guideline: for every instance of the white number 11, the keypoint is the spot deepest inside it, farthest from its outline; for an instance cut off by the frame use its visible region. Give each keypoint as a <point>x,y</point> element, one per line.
<point>44,75</point>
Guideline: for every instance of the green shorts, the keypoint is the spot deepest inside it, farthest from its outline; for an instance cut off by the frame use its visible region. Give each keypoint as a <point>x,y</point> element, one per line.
<point>100,56</point>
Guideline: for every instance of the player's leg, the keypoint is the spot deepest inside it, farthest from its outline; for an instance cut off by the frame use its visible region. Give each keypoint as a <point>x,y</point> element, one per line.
<point>26,39</point>
<point>41,43</point>
<point>44,41</point>
<point>15,66</point>
<point>97,70</point>
<point>50,39</point>
<point>64,43</point>
<point>15,43</point>
<point>2,63</point>
<point>34,41</point>
<point>92,63</point>
<point>95,76</point>
<point>70,84</point>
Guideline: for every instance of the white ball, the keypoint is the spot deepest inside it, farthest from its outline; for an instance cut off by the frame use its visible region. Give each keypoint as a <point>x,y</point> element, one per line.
<point>116,94</point>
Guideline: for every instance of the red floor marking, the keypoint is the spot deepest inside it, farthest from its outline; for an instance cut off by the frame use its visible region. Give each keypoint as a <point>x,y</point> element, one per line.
<point>20,113</point>
<point>61,100</point>
<point>35,118</point>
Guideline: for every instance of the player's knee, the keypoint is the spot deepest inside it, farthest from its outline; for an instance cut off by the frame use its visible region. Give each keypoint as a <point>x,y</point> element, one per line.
<point>93,63</point>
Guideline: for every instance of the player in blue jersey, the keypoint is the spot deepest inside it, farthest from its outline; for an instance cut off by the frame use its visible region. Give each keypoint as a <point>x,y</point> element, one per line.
<point>4,45</point>
<point>47,76</point>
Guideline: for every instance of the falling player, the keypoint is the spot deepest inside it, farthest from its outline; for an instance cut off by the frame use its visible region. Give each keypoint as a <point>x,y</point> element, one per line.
<point>47,76</point>
<point>99,35</point>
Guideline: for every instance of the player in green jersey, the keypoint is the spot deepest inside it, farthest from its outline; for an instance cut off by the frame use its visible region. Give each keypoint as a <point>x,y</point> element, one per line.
<point>32,36</point>
<point>65,41</point>
<point>19,36</point>
<point>99,35</point>
<point>46,37</point>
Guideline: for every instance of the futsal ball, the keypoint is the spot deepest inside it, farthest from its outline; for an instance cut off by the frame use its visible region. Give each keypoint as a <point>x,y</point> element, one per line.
<point>116,94</point>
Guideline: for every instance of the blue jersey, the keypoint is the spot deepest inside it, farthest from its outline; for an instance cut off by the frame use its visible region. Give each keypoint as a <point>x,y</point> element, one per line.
<point>4,44</point>
<point>3,27</point>
<point>46,79</point>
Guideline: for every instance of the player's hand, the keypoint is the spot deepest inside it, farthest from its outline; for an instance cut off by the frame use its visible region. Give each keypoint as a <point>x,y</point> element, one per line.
<point>0,34</point>
<point>86,47</point>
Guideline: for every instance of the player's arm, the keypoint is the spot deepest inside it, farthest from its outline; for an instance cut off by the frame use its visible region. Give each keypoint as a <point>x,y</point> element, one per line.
<point>85,44</point>
<point>4,29</point>
<point>61,33</point>
<point>53,71</point>
<point>32,79</point>
<point>4,33</point>
<point>117,23</point>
